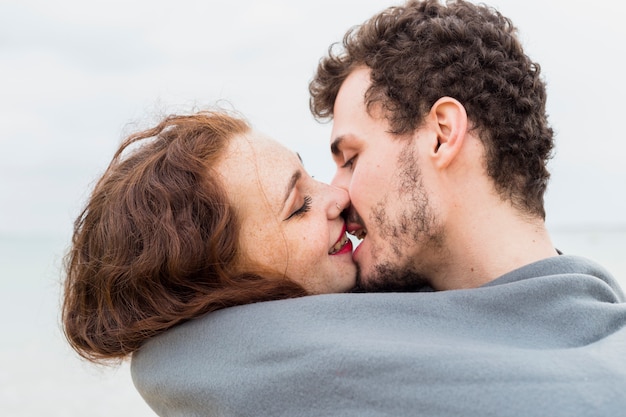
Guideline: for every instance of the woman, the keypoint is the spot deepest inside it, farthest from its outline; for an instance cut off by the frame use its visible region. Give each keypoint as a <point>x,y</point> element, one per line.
<point>194,215</point>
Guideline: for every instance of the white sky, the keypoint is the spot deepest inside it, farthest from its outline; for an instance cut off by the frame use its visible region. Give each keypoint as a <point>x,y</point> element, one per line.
<point>75,75</point>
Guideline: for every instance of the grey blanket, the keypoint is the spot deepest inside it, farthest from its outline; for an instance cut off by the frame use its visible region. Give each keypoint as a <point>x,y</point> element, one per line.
<point>548,339</point>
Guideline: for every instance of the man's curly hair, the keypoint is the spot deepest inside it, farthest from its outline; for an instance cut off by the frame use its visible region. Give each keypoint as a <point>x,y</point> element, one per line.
<point>425,50</point>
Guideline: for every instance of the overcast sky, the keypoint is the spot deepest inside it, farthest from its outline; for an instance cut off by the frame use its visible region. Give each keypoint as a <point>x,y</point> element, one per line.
<point>78,75</point>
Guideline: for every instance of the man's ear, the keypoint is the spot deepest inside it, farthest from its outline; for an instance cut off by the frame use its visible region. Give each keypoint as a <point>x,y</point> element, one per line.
<point>449,121</point>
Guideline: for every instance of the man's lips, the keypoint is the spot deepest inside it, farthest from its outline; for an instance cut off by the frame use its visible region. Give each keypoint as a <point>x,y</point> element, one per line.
<point>357,230</point>
<point>342,245</point>
<point>355,224</point>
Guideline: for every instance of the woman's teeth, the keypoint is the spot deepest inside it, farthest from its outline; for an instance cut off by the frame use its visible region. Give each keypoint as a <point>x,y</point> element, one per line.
<point>359,234</point>
<point>339,245</point>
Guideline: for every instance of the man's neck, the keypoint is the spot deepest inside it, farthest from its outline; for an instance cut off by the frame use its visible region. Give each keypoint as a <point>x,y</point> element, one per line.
<point>489,243</point>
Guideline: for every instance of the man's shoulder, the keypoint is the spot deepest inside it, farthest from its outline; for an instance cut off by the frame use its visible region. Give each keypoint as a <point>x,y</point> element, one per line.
<point>563,266</point>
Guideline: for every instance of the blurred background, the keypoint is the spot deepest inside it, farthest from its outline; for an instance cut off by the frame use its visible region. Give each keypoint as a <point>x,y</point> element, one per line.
<point>76,77</point>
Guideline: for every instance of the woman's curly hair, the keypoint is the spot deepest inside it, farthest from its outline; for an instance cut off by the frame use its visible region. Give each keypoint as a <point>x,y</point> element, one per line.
<point>425,50</point>
<point>157,242</point>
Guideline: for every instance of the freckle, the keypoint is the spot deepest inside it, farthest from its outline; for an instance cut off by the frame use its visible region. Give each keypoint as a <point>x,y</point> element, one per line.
<point>472,269</point>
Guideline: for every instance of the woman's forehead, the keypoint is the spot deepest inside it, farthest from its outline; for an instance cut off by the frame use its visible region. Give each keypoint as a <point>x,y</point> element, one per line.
<point>259,147</point>
<point>254,163</point>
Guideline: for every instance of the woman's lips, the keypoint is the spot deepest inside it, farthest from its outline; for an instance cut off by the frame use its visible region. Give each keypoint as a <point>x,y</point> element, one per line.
<point>342,245</point>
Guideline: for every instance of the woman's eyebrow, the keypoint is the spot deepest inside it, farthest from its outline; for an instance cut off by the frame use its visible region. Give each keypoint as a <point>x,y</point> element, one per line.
<point>292,183</point>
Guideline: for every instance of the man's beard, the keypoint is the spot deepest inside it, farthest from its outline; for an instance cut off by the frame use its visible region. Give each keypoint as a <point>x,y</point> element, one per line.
<point>391,278</point>
<point>417,224</point>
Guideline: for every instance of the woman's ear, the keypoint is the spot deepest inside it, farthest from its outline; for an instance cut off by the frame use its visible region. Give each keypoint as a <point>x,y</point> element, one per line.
<point>449,121</point>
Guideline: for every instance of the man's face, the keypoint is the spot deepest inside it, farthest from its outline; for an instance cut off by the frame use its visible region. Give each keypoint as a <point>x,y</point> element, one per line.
<point>391,205</point>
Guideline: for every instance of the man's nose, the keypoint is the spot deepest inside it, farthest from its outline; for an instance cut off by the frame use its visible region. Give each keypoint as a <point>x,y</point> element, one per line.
<point>341,180</point>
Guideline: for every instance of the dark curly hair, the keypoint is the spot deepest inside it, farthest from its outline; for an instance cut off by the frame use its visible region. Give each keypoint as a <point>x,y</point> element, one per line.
<point>157,243</point>
<point>425,50</point>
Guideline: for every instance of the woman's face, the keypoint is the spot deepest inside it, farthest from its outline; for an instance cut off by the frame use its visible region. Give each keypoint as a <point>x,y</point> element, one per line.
<point>290,223</point>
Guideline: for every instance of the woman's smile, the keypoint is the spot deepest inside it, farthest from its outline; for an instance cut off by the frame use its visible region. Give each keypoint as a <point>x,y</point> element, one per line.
<point>343,244</point>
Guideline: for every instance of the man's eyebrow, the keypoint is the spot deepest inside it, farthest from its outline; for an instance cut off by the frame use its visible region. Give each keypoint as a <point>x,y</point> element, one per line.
<point>336,144</point>
<point>292,183</point>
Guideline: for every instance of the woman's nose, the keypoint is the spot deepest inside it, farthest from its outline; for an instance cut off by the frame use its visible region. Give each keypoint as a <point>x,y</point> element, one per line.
<point>339,200</point>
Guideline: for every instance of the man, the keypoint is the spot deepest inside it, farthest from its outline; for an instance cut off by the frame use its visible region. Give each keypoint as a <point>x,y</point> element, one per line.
<point>440,136</point>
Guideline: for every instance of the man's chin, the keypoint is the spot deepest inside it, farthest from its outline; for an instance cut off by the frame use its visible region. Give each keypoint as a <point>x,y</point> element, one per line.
<point>386,278</point>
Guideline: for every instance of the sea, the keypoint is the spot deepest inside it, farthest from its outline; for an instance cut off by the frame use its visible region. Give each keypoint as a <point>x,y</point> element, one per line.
<point>41,376</point>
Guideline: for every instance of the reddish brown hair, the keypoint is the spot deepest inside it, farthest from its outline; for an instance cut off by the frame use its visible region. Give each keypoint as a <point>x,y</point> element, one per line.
<point>157,242</point>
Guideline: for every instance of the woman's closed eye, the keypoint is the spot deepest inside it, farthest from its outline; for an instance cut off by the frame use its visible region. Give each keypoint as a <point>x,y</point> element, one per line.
<point>306,206</point>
